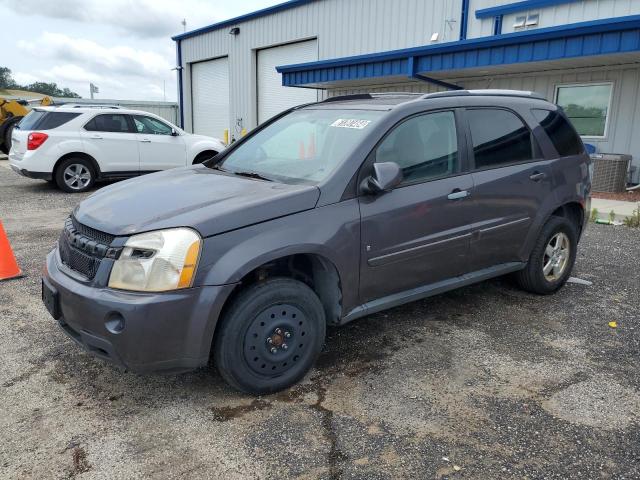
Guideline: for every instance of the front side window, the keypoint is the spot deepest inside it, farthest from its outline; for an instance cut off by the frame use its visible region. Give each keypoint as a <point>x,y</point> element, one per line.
<point>304,146</point>
<point>499,138</point>
<point>587,106</point>
<point>560,132</point>
<point>150,125</point>
<point>425,147</point>
<point>108,123</point>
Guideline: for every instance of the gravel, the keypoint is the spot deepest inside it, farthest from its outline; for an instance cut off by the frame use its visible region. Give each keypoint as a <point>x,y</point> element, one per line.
<point>483,382</point>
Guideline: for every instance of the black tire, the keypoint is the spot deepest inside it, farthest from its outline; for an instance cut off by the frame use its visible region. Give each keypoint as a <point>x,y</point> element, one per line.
<point>532,278</point>
<point>204,156</point>
<point>83,165</point>
<point>263,313</point>
<point>7,130</point>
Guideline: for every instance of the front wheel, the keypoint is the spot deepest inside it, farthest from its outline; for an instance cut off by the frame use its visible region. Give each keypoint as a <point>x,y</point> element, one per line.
<point>270,336</point>
<point>552,258</point>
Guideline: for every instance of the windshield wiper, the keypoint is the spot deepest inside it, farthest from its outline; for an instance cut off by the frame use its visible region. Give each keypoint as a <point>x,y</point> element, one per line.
<point>250,175</point>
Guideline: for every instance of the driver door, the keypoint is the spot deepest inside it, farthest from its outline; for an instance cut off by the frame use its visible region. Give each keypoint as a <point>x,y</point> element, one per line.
<point>159,150</point>
<point>420,232</point>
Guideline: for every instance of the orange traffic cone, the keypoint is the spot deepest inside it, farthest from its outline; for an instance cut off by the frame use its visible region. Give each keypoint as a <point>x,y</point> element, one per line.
<point>8,265</point>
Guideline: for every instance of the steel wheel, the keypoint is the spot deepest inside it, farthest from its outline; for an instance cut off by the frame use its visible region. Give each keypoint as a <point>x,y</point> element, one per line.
<point>556,257</point>
<point>275,340</point>
<point>76,176</point>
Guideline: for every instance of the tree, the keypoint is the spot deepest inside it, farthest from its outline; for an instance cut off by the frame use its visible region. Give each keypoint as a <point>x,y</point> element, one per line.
<point>50,89</point>
<point>6,79</point>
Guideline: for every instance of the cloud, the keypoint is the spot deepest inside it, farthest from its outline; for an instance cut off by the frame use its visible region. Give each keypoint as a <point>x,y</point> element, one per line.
<point>141,18</point>
<point>119,71</point>
<point>115,60</point>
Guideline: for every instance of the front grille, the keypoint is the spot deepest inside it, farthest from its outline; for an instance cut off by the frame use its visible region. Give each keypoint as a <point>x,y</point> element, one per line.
<point>82,248</point>
<point>92,233</point>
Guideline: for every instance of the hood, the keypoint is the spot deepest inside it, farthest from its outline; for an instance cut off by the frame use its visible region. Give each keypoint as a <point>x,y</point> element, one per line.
<point>208,200</point>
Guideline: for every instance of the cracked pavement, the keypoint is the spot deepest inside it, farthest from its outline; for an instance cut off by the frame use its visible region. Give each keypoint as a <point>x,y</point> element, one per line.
<point>483,382</point>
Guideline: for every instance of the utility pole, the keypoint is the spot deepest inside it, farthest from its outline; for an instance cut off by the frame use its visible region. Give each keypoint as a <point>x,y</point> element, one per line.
<point>184,24</point>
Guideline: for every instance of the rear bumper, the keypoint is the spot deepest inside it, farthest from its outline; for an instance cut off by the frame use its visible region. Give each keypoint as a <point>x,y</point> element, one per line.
<point>169,332</point>
<point>37,175</point>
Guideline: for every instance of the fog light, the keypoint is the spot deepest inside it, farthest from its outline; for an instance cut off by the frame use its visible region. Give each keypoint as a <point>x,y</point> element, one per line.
<point>114,323</point>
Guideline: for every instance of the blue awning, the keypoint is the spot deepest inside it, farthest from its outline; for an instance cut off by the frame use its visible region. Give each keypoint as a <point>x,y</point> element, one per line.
<point>610,36</point>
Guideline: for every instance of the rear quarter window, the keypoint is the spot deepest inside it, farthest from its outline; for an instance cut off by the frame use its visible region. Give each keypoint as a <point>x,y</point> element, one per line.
<point>560,132</point>
<point>39,120</point>
<point>31,119</point>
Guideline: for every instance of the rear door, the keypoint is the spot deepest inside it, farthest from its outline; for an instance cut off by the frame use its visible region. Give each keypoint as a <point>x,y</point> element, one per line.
<point>109,138</point>
<point>159,149</point>
<point>419,233</point>
<point>511,181</point>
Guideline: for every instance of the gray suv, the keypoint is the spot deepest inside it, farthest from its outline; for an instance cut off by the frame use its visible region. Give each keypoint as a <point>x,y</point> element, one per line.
<point>324,214</point>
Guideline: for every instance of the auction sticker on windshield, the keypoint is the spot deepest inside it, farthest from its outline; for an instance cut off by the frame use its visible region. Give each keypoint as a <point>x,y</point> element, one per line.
<point>351,123</point>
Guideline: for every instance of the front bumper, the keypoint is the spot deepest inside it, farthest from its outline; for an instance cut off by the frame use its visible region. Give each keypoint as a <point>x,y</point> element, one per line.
<point>169,331</point>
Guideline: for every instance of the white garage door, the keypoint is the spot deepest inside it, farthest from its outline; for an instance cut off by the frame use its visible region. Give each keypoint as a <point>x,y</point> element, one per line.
<point>273,98</point>
<point>210,97</point>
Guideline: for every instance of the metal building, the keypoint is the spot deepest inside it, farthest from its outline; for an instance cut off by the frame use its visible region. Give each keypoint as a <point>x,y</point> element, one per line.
<point>581,54</point>
<point>166,110</point>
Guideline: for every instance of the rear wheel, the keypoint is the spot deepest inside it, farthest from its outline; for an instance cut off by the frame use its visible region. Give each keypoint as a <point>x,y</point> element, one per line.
<point>75,175</point>
<point>7,131</point>
<point>270,336</point>
<point>552,258</point>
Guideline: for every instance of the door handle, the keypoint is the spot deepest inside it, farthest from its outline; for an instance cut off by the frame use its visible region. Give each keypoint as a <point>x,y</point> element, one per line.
<point>537,176</point>
<point>458,194</point>
<point>145,140</point>
<point>96,137</point>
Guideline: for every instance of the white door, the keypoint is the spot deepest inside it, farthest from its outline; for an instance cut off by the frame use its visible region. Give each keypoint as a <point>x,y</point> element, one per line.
<point>110,140</point>
<point>159,149</point>
<point>210,97</point>
<point>273,98</point>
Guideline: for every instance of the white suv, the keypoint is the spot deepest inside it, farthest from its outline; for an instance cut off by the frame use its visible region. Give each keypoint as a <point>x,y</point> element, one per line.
<point>75,146</point>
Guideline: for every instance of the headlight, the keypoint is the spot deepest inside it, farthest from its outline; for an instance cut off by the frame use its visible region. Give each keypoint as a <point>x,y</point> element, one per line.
<point>157,261</point>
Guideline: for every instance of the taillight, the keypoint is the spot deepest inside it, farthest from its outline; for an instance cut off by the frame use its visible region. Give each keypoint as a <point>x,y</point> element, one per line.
<point>36,139</point>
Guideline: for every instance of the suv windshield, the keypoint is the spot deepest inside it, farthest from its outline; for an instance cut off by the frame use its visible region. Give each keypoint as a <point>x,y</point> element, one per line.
<point>304,146</point>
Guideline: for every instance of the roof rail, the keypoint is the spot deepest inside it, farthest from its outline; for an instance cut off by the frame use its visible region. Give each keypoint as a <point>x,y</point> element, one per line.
<point>88,105</point>
<point>370,96</point>
<point>356,96</point>
<point>485,93</point>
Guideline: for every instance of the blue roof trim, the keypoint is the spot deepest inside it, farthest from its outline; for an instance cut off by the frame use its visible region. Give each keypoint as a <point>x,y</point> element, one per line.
<point>242,18</point>
<point>607,36</point>
<point>518,7</point>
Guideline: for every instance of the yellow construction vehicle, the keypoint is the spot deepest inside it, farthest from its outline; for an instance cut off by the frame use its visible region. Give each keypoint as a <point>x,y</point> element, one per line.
<point>11,112</point>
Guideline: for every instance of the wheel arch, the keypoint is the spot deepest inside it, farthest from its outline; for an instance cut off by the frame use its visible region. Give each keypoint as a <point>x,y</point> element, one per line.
<point>315,270</point>
<point>83,155</point>
<point>204,155</point>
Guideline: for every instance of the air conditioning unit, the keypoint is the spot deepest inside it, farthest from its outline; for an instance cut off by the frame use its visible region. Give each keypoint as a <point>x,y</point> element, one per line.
<point>610,171</point>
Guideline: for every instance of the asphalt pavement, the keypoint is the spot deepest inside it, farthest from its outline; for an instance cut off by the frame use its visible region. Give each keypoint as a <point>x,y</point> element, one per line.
<point>484,382</point>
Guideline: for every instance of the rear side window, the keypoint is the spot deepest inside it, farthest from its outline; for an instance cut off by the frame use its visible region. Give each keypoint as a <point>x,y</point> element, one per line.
<point>499,138</point>
<point>55,119</point>
<point>425,147</point>
<point>31,119</point>
<point>561,133</point>
<point>108,123</point>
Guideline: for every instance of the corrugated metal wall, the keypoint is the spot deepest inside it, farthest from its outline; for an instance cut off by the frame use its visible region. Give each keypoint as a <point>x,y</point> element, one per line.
<point>624,122</point>
<point>166,110</point>
<point>343,27</point>
<point>561,14</point>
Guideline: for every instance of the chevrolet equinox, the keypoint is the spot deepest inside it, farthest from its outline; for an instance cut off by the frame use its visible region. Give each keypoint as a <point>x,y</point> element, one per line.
<point>324,214</point>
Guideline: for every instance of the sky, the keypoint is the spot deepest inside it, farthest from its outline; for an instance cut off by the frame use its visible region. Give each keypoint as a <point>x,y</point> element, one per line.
<point>122,46</point>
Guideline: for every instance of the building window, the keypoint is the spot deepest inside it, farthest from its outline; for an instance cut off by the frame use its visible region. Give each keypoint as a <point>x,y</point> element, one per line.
<point>587,106</point>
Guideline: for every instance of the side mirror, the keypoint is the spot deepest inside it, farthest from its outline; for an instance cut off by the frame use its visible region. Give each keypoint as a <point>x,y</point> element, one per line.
<point>174,132</point>
<point>386,176</point>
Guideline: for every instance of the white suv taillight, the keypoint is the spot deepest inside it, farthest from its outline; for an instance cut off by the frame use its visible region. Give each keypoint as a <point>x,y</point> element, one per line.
<point>36,139</point>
